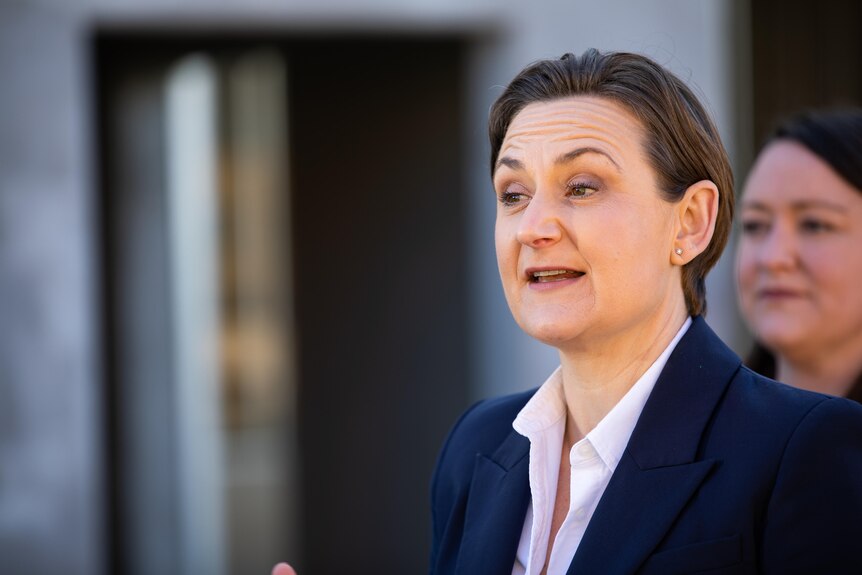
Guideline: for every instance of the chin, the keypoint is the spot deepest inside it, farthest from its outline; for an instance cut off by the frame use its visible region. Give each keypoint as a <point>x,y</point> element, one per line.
<point>552,332</point>
<point>782,335</point>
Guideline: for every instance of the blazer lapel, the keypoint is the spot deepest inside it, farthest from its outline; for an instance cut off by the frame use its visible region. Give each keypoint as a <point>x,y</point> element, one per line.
<point>497,505</point>
<point>635,512</point>
<point>659,471</point>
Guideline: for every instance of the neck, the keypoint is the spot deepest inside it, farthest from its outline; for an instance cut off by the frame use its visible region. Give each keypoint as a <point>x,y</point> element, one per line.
<point>833,373</point>
<point>830,367</point>
<point>595,378</point>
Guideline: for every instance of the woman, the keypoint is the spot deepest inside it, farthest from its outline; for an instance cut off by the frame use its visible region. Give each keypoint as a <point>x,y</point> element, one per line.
<point>800,254</point>
<point>650,449</point>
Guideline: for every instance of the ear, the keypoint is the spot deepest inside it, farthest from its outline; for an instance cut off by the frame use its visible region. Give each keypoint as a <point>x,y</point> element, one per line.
<point>696,214</point>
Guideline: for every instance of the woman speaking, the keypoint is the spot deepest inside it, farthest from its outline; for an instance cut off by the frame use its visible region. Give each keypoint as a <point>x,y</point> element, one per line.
<point>651,449</point>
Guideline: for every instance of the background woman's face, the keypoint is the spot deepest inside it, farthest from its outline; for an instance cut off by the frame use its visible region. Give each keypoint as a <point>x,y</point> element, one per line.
<point>583,237</point>
<point>799,261</point>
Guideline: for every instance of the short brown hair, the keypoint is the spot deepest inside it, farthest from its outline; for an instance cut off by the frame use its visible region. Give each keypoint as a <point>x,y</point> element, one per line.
<point>682,143</point>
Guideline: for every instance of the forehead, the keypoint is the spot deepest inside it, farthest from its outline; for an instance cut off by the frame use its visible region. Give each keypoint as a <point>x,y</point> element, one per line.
<point>573,118</point>
<point>787,172</point>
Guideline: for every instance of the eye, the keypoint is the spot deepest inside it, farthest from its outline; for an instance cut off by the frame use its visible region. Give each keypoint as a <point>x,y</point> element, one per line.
<point>754,227</point>
<point>581,189</point>
<point>512,195</point>
<point>511,198</point>
<point>814,226</point>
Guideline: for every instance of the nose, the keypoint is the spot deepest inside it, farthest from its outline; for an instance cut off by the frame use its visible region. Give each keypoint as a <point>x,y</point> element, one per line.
<point>539,224</point>
<point>778,250</point>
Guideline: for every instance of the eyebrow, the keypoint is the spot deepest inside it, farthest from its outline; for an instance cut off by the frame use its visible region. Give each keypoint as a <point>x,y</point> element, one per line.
<point>569,156</point>
<point>565,158</point>
<point>510,163</point>
<point>798,206</point>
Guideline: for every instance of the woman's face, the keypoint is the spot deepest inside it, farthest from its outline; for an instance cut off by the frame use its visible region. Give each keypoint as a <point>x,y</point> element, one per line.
<point>799,262</point>
<point>584,240</point>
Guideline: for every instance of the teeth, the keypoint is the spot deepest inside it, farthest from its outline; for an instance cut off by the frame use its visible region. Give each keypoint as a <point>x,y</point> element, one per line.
<point>547,273</point>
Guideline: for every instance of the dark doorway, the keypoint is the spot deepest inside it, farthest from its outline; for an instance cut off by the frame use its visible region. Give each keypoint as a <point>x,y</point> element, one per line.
<point>374,302</point>
<point>805,55</point>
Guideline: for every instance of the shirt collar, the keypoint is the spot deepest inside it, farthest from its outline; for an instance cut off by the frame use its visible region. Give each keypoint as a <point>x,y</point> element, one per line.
<point>544,409</point>
<point>609,438</point>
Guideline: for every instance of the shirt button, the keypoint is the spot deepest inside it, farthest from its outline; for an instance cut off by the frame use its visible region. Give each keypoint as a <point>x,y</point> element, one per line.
<point>580,513</point>
<point>585,450</point>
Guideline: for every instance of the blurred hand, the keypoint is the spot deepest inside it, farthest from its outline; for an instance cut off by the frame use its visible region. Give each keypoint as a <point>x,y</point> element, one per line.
<point>283,569</point>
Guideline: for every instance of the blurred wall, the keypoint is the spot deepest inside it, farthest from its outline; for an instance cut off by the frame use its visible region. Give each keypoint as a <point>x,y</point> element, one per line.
<point>50,504</point>
<point>51,491</point>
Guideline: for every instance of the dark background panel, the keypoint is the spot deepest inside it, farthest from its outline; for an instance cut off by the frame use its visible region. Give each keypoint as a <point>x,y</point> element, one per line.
<point>381,292</point>
<point>805,55</point>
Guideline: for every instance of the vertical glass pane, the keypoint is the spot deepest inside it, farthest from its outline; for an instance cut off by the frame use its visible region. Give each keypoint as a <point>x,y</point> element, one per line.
<point>193,198</point>
<point>204,446</point>
<point>258,324</point>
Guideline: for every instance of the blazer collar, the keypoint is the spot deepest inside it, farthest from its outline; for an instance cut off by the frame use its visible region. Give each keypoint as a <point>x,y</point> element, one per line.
<point>496,508</point>
<point>690,386</point>
<point>657,475</point>
<point>660,470</point>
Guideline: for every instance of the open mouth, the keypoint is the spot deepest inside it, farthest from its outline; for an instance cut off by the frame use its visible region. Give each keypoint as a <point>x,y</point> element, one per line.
<point>548,276</point>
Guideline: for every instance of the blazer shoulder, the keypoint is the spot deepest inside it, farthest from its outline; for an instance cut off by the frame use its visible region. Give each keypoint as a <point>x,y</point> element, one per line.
<point>771,401</point>
<point>782,422</point>
<point>482,429</point>
<point>490,418</point>
<point>817,479</point>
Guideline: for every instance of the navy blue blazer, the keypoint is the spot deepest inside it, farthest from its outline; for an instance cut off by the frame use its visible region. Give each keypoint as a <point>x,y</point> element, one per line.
<point>726,472</point>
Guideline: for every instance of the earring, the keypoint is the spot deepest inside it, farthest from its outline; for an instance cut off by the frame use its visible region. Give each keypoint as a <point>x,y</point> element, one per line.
<point>678,251</point>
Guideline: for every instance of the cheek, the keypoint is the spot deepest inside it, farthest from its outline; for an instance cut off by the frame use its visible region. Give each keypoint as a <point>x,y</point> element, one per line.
<point>853,273</point>
<point>745,267</point>
<point>636,249</point>
<point>505,246</point>
<point>837,273</point>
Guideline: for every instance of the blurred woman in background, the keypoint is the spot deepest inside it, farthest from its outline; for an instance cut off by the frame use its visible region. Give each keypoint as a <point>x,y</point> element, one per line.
<point>800,254</point>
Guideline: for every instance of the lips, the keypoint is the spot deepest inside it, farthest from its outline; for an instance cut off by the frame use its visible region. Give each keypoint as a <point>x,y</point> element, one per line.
<point>550,275</point>
<point>778,293</point>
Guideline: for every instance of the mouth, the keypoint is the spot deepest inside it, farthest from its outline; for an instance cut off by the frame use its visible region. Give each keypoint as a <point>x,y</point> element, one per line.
<point>778,293</point>
<point>550,275</point>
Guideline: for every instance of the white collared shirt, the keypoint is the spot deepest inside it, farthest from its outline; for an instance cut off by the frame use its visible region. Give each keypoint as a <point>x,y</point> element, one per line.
<point>593,460</point>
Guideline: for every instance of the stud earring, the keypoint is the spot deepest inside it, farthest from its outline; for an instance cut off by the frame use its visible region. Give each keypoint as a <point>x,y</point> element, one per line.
<point>678,251</point>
